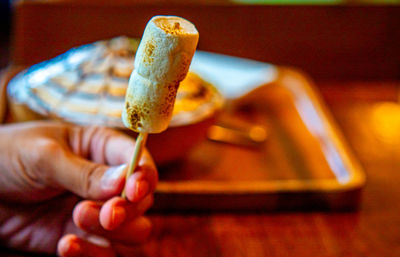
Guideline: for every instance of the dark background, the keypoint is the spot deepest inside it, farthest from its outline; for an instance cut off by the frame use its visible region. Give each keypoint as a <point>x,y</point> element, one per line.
<point>356,44</point>
<point>329,42</point>
<point>5,24</point>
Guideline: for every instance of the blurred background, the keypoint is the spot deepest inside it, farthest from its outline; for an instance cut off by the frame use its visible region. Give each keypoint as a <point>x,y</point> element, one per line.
<point>350,48</point>
<point>329,39</point>
<point>5,24</point>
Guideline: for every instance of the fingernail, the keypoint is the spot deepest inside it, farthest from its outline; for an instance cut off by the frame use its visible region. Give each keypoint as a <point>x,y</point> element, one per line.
<point>117,216</point>
<point>89,218</point>
<point>74,249</point>
<point>142,189</point>
<point>112,176</point>
<point>99,241</point>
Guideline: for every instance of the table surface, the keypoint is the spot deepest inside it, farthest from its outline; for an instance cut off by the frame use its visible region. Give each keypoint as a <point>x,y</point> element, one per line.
<point>370,119</point>
<point>369,116</point>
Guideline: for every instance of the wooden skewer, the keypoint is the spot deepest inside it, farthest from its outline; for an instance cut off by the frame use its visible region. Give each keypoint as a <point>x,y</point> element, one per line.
<point>140,143</point>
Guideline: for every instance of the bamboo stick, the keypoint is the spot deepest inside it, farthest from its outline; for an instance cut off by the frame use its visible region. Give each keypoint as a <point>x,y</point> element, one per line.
<point>140,143</point>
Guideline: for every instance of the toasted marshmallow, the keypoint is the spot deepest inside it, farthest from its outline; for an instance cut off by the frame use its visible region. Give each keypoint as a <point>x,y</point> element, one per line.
<point>161,63</point>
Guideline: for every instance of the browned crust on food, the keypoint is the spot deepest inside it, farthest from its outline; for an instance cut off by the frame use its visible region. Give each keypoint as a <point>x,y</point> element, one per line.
<point>134,115</point>
<point>149,50</point>
<point>173,29</point>
<point>184,64</point>
<point>166,109</point>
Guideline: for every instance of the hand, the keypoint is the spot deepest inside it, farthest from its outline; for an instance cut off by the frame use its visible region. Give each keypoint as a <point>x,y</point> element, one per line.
<point>46,167</point>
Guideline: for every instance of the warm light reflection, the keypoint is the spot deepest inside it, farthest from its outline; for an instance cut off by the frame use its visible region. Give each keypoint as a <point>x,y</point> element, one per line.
<point>385,122</point>
<point>258,134</point>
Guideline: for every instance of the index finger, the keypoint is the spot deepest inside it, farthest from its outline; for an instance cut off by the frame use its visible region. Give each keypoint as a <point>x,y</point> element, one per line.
<point>105,145</point>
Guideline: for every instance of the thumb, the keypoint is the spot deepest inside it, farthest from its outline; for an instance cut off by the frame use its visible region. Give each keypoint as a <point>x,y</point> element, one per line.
<point>87,179</point>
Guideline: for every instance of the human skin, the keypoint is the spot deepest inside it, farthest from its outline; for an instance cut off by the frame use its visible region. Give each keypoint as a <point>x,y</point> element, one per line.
<point>60,187</point>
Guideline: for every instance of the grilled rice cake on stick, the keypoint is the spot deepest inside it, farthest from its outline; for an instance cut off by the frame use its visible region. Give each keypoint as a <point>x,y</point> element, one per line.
<point>161,63</point>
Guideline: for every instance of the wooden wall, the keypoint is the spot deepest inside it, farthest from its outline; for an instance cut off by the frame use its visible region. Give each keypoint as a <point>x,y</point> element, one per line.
<point>328,42</point>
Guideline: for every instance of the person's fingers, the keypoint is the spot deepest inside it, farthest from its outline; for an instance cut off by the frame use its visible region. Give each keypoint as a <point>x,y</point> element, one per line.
<point>72,246</point>
<point>97,181</point>
<point>116,211</point>
<point>132,231</point>
<point>86,215</point>
<point>85,178</point>
<point>141,183</point>
<point>93,180</point>
<point>104,145</point>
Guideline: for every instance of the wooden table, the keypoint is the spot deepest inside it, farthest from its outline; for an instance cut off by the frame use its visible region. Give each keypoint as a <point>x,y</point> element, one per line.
<point>373,231</point>
<point>348,42</point>
<point>369,116</point>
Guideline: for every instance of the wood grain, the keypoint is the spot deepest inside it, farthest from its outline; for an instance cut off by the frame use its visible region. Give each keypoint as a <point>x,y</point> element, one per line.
<point>305,163</point>
<point>361,110</point>
<point>371,231</point>
<point>362,41</point>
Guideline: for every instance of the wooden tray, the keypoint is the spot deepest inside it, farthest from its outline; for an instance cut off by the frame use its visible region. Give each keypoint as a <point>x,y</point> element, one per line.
<point>304,164</point>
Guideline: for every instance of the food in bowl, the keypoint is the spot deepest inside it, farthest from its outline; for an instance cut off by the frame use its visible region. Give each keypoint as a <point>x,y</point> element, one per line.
<point>87,86</point>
